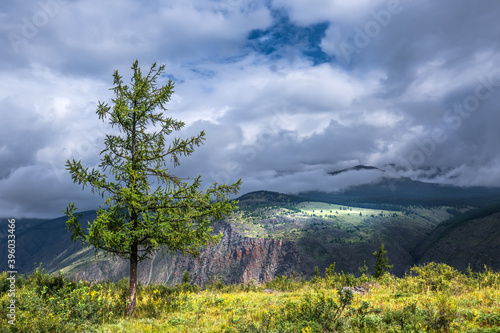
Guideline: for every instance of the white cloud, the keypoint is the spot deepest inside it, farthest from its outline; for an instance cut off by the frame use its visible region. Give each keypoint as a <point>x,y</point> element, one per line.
<point>307,12</point>
<point>297,98</point>
<point>280,123</point>
<point>311,180</point>
<point>435,80</point>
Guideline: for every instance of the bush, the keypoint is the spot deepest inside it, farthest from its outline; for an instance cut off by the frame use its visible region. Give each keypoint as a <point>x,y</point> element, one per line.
<point>484,279</point>
<point>342,279</point>
<point>436,277</point>
<point>313,312</point>
<point>283,283</point>
<point>215,284</point>
<point>52,303</point>
<point>408,319</point>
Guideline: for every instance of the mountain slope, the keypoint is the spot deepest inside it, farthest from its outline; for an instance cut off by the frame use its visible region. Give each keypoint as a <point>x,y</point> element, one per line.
<point>347,235</point>
<point>472,238</point>
<point>396,192</point>
<point>42,241</point>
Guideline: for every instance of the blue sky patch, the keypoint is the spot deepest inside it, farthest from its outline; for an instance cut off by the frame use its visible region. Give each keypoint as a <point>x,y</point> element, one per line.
<point>285,39</point>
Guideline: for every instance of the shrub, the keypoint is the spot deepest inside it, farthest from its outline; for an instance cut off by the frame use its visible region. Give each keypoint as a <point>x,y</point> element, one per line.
<point>342,279</point>
<point>215,284</point>
<point>313,312</point>
<point>283,283</point>
<point>52,303</point>
<point>330,270</point>
<point>484,279</point>
<point>409,318</point>
<point>436,277</point>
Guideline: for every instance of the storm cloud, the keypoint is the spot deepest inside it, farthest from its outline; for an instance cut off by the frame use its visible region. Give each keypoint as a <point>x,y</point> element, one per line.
<point>286,91</point>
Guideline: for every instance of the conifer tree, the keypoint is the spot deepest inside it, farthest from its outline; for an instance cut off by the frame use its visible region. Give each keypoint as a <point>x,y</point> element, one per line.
<point>185,277</point>
<point>381,262</point>
<point>146,207</point>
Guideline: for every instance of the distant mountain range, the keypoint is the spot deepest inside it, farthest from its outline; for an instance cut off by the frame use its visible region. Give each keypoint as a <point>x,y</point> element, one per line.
<point>405,191</point>
<point>275,234</point>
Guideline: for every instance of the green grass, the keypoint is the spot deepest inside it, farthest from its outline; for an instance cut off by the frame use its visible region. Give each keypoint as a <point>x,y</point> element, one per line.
<point>434,298</point>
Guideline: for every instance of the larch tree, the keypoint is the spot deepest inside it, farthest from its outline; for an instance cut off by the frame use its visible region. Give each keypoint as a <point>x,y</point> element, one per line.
<point>146,207</point>
<point>381,262</point>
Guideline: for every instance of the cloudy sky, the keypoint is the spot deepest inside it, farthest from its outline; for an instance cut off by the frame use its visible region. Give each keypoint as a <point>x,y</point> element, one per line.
<point>286,90</point>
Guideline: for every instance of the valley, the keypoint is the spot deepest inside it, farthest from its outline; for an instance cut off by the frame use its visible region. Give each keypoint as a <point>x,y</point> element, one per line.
<point>274,234</point>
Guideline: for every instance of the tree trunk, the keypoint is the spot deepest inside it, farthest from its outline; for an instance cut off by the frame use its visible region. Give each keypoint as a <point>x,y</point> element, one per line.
<point>132,293</point>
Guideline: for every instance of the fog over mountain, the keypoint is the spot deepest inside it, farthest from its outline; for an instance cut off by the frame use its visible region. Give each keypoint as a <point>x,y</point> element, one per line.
<point>287,91</point>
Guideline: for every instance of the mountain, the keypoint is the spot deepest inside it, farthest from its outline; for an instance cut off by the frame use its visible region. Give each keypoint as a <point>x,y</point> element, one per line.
<point>354,168</point>
<point>471,238</point>
<point>395,192</point>
<point>274,234</point>
<point>41,241</point>
<point>268,198</point>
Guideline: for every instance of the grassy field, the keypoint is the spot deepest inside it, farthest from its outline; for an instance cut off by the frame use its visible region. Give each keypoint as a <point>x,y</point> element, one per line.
<point>434,298</point>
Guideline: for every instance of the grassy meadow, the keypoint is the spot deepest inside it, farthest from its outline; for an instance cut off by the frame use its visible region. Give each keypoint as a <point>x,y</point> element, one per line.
<point>293,221</point>
<point>432,298</point>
